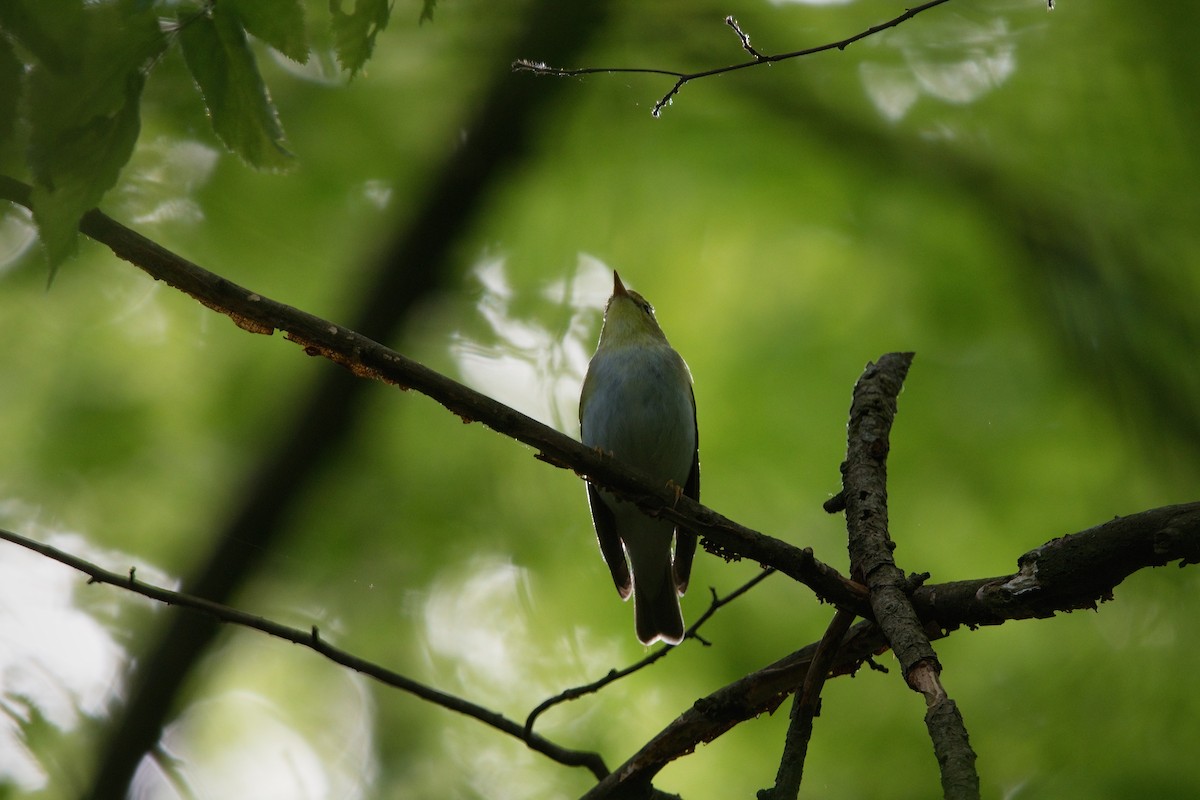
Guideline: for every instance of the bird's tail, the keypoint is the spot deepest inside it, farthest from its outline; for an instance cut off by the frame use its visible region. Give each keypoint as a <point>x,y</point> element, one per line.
<point>656,609</point>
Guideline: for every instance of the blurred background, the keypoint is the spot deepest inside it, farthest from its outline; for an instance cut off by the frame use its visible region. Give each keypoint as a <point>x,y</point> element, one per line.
<point>1007,191</point>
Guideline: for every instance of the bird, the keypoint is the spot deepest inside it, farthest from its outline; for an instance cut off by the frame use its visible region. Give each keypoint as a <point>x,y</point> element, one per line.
<point>637,404</point>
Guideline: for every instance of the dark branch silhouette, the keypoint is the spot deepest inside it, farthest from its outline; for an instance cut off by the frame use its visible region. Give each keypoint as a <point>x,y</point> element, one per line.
<point>313,641</point>
<point>1067,573</point>
<point>805,706</point>
<point>366,358</point>
<point>682,78</point>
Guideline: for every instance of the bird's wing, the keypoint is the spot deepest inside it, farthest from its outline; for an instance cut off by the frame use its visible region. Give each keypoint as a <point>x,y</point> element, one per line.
<point>610,542</point>
<point>685,540</point>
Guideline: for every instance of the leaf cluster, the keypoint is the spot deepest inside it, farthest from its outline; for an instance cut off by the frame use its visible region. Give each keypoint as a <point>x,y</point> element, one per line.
<point>72,76</point>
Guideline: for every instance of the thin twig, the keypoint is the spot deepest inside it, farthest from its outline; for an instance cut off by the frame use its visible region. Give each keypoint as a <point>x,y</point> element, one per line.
<point>682,78</point>
<point>312,640</point>
<point>743,37</point>
<point>575,692</point>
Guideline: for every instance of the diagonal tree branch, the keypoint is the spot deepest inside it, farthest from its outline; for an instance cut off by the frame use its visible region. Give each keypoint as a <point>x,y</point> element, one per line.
<point>313,641</point>
<point>758,58</point>
<point>369,359</point>
<point>1067,573</point>
<point>1072,572</point>
<point>710,717</point>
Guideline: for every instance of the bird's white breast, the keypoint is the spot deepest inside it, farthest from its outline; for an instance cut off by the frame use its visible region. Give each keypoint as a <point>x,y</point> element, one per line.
<point>639,408</point>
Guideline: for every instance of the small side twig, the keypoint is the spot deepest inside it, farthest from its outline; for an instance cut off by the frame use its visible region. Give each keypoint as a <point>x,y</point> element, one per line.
<point>575,692</point>
<point>743,36</point>
<point>682,78</point>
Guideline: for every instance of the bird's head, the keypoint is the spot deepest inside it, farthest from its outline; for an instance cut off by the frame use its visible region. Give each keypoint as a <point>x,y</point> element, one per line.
<point>628,319</point>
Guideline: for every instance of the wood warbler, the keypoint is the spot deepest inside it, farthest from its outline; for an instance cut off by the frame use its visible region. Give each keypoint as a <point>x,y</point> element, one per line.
<point>637,404</point>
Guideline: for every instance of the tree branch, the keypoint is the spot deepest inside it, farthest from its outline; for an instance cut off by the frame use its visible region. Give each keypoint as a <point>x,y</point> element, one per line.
<point>313,641</point>
<point>865,490</point>
<point>682,78</point>
<point>1115,550</point>
<point>805,707</point>
<point>369,359</point>
<point>1072,572</point>
<point>709,717</point>
<point>1058,576</point>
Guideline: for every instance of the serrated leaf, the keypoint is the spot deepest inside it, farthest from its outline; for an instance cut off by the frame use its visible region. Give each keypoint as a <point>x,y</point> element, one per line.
<point>354,34</point>
<point>84,118</point>
<point>12,73</point>
<point>223,66</point>
<point>279,23</point>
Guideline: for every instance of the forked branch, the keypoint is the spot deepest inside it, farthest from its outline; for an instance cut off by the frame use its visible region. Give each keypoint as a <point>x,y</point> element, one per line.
<point>757,58</point>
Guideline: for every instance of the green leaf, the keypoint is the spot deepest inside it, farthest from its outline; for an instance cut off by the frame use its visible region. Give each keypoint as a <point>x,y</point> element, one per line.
<point>84,165</point>
<point>12,72</point>
<point>279,23</point>
<point>84,118</point>
<point>224,68</point>
<point>354,34</point>
<point>48,29</point>
<point>427,8</point>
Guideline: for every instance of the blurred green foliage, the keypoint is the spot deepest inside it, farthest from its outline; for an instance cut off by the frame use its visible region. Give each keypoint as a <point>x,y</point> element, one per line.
<point>1006,191</point>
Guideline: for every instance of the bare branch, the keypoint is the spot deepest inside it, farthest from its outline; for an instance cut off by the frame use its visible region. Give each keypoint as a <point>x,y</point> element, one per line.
<point>1113,550</point>
<point>804,709</point>
<point>1066,573</point>
<point>369,359</point>
<point>1072,572</point>
<point>743,37</point>
<point>709,717</point>
<point>312,640</point>
<point>539,68</point>
<point>576,692</point>
<point>864,479</point>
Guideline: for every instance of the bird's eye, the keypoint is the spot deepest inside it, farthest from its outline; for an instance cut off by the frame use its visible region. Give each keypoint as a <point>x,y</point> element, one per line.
<point>649,309</point>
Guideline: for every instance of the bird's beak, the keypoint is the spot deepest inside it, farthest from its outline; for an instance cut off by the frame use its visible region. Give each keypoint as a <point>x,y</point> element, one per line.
<point>618,287</point>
